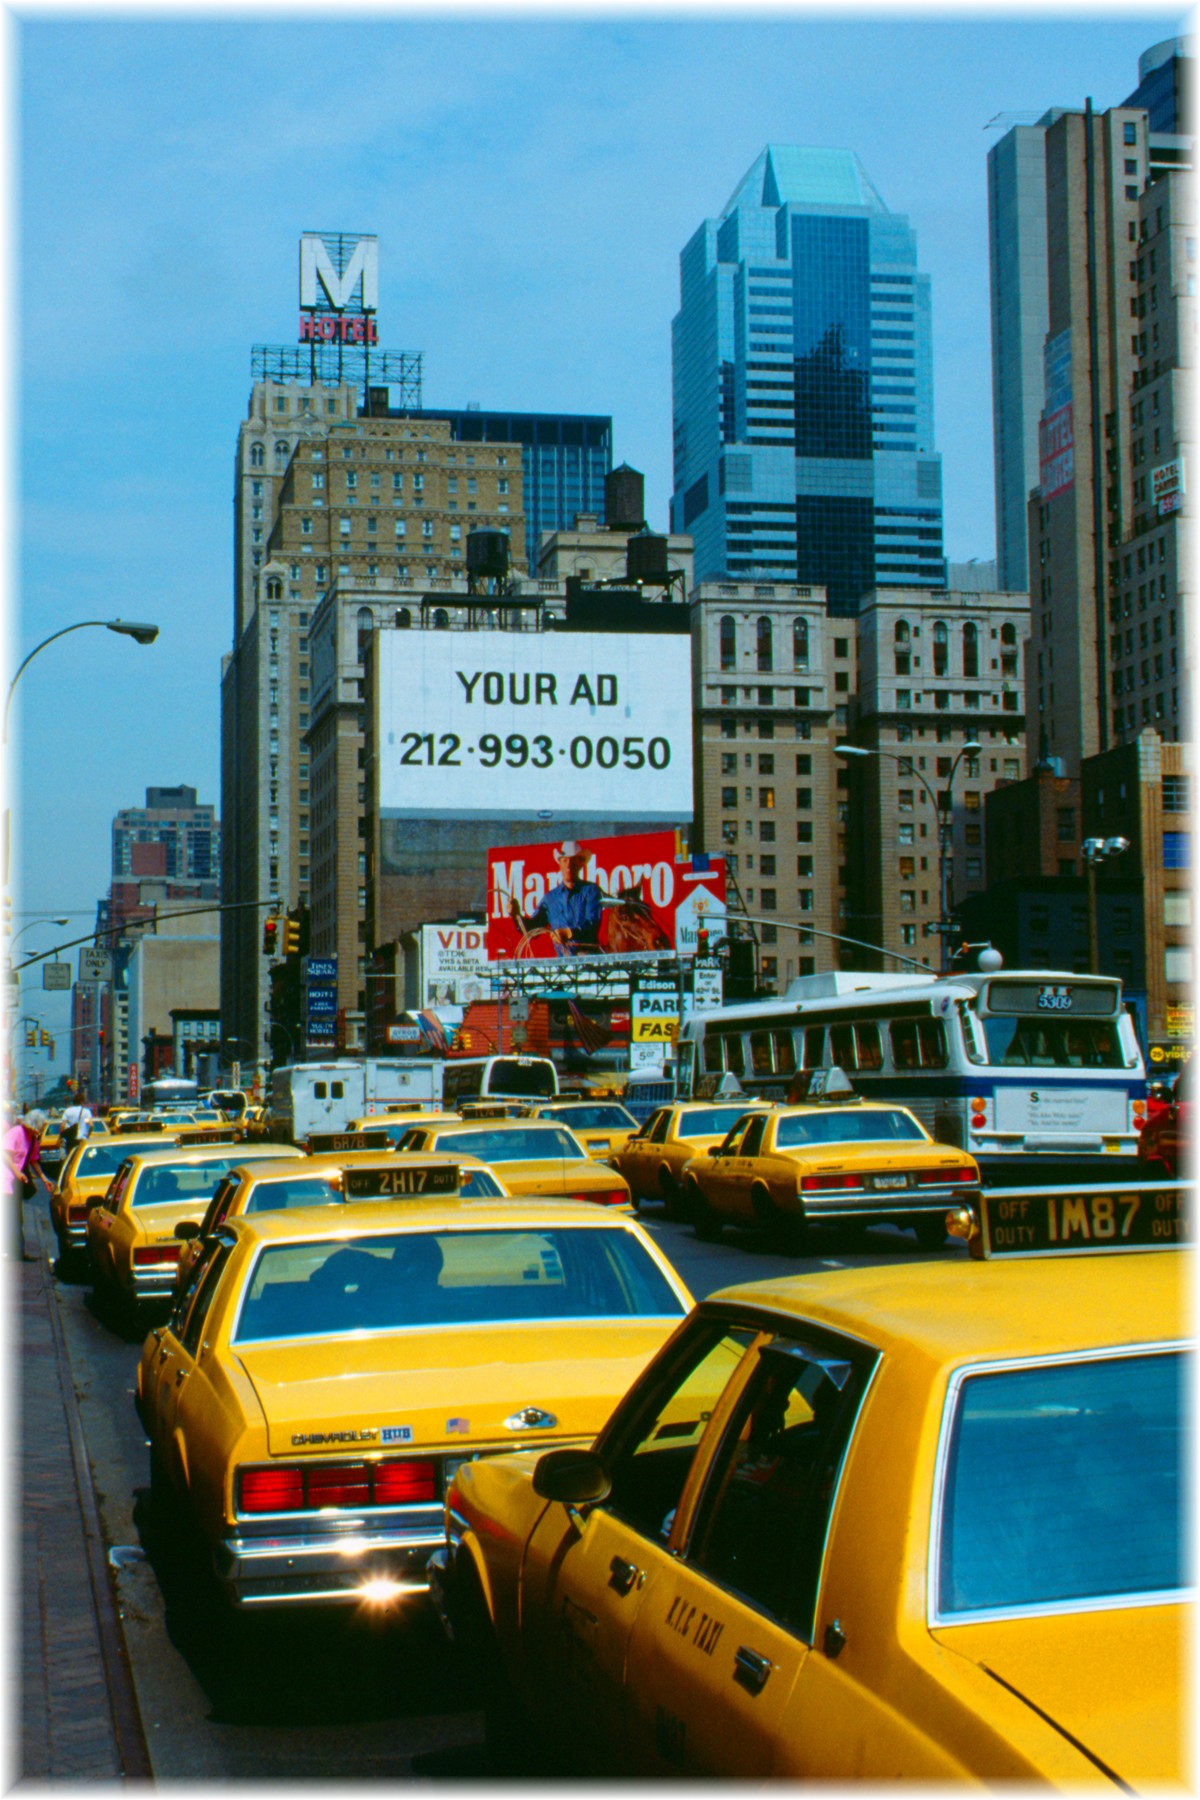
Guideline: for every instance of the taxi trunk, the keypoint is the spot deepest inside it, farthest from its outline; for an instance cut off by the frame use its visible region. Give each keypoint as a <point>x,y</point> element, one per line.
<point>349,1508</point>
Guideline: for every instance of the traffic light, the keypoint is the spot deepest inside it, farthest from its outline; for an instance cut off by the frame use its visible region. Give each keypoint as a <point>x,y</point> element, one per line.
<point>31,1035</point>
<point>270,933</point>
<point>291,935</point>
<point>702,941</point>
<point>45,1036</point>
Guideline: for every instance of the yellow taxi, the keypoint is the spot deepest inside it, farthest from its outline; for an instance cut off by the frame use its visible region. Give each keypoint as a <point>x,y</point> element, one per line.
<point>395,1122</point>
<point>654,1158</point>
<point>50,1148</point>
<point>84,1179</point>
<point>603,1127</point>
<point>841,1162</point>
<point>270,1184</point>
<point>328,1368</point>
<point>131,1231</point>
<point>531,1156</point>
<point>866,1524</point>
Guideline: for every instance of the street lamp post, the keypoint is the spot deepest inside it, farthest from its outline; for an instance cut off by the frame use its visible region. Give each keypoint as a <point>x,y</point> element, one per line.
<point>1096,851</point>
<point>140,633</point>
<point>942,813</point>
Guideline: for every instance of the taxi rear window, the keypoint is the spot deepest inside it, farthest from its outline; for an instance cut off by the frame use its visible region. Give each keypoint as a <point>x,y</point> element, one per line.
<point>593,1118</point>
<point>160,1184</point>
<point>271,1196</point>
<point>1065,1485</point>
<point>708,1121</point>
<point>102,1159</point>
<point>847,1127</point>
<point>519,1143</point>
<point>396,1282</point>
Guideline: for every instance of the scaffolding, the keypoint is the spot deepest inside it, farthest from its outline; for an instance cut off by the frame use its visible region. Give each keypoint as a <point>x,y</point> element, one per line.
<point>335,364</point>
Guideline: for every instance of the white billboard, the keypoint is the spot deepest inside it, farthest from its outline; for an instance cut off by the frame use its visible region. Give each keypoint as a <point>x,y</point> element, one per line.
<point>507,724</point>
<point>454,968</point>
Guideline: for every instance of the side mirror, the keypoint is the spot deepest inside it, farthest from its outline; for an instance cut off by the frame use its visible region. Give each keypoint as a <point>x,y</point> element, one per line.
<point>187,1229</point>
<point>572,1477</point>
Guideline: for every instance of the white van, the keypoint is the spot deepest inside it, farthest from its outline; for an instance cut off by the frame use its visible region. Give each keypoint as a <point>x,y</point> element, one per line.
<point>325,1096</point>
<point>498,1078</point>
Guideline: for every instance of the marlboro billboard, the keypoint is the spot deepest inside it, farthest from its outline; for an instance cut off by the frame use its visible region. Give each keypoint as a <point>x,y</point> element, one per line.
<point>597,897</point>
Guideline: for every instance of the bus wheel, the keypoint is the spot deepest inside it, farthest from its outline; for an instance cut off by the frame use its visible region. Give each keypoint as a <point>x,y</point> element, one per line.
<point>705,1222</point>
<point>930,1230</point>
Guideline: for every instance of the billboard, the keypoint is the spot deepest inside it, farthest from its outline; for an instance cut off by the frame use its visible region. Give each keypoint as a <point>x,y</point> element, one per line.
<point>556,724</point>
<point>602,896</point>
<point>1056,452</point>
<point>453,965</point>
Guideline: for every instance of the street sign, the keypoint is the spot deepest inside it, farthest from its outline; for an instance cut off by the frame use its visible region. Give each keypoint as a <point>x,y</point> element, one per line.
<point>95,965</point>
<point>320,968</point>
<point>56,975</point>
<point>132,1081</point>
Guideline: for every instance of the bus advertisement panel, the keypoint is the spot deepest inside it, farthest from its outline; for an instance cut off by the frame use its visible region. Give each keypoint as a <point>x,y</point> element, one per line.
<point>616,896</point>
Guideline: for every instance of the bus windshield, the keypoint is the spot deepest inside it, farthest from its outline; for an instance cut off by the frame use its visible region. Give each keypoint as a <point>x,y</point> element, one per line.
<point>1036,1042</point>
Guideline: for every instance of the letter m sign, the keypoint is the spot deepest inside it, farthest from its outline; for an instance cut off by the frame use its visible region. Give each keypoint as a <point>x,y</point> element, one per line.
<point>332,267</point>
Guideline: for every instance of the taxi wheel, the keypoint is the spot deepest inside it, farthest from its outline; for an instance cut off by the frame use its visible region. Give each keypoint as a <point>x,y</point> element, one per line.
<point>705,1222</point>
<point>673,1202</point>
<point>931,1231</point>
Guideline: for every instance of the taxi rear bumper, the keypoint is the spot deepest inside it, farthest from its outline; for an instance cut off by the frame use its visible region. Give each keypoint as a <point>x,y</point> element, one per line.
<point>888,1203</point>
<point>352,1560</point>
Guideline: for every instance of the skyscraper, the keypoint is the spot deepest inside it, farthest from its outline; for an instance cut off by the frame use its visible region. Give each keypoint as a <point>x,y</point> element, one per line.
<point>803,386</point>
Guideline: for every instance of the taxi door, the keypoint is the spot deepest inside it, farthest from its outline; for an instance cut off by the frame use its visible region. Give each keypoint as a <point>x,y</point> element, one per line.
<point>180,1347</point>
<point>586,1578</point>
<point>641,1159</point>
<point>730,1184</point>
<point>724,1629</point>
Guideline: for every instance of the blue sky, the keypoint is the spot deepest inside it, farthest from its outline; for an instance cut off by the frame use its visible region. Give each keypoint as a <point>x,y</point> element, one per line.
<point>532,180</point>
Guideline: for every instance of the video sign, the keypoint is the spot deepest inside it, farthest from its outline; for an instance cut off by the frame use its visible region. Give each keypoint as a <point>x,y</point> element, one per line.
<point>499,724</point>
<point>602,896</point>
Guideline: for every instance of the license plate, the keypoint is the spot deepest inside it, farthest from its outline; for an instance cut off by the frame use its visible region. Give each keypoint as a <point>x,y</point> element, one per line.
<point>890,1181</point>
<point>601,1143</point>
<point>1112,1144</point>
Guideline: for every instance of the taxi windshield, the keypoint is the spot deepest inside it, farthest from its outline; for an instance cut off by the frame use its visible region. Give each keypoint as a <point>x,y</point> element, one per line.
<point>1065,1484</point>
<point>708,1121</point>
<point>518,1143</point>
<point>440,1278</point>
<point>162,1183</point>
<point>847,1126</point>
<point>1041,1043</point>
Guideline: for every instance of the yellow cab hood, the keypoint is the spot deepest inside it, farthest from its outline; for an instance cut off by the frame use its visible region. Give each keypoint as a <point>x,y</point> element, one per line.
<point>1111,1681</point>
<point>447,1387</point>
<point>558,1177</point>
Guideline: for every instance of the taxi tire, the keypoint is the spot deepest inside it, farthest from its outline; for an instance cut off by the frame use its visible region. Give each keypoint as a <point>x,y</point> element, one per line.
<point>705,1223</point>
<point>509,1731</point>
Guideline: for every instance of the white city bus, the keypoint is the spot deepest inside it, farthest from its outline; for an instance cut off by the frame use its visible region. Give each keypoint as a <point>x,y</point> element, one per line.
<point>1013,1066</point>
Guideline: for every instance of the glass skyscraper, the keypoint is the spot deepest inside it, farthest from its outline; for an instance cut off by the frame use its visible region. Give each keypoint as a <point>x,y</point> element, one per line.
<point>803,386</point>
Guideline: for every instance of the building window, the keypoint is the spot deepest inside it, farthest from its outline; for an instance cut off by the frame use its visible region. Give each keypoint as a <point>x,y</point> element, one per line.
<point>970,649</point>
<point>1177,963</point>
<point>941,647</point>
<point>728,643</point>
<point>1066,824</point>
<point>766,797</point>
<point>1175,793</point>
<point>729,796</point>
<point>763,642</point>
<point>800,644</point>
<point>1177,849</point>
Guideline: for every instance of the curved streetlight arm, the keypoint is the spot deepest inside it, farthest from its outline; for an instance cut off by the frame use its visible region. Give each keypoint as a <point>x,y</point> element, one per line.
<point>141,634</point>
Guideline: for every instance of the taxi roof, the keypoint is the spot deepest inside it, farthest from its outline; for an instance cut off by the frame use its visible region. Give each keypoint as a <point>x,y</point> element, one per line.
<point>263,1168</point>
<point>489,1123</point>
<point>959,1310</point>
<point>358,1216</point>
<point>200,1153</point>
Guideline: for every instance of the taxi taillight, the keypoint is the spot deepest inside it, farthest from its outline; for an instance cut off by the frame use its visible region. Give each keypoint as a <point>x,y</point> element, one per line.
<point>938,1177</point>
<point>602,1196</point>
<point>152,1256</point>
<point>305,1487</point>
<point>815,1184</point>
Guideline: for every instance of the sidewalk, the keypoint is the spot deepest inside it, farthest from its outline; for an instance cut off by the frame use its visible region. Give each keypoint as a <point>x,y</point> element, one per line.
<point>78,1717</point>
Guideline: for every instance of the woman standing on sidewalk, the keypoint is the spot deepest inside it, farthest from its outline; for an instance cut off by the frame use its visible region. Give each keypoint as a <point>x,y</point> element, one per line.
<point>22,1162</point>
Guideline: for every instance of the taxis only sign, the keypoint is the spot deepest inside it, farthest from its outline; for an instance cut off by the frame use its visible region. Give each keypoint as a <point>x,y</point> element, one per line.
<point>1041,1221</point>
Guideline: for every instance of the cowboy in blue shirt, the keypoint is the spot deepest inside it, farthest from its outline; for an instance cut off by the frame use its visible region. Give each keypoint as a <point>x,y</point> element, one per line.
<point>570,911</point>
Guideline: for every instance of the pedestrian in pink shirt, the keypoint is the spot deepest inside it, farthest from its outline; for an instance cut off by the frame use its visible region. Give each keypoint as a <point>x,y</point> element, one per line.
<point>22,1163</point>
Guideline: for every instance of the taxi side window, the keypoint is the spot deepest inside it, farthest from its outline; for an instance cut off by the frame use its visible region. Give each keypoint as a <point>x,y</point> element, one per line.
<point>651,1463</point>
<point>762,1522</point>
<point>658,1130</point>
<point>206,1287</point>
<point>752,1142</point>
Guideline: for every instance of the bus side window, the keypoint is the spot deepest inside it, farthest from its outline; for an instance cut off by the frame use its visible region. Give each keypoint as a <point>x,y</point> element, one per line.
<point>841,1046</point>
<point>814,1046</point>
<point>931,1035</point>
<point>760,1052</point>
<point>906,1050</point>
<point>868,1048</point>
<point>714,1059</point>
<point>735,1057</point>
<point>785,1051</point>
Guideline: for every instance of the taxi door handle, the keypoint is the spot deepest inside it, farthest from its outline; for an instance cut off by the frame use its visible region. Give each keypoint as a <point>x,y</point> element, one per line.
<point>180,1376</point>
<point>622,1574</point>
<point>751,1670</point>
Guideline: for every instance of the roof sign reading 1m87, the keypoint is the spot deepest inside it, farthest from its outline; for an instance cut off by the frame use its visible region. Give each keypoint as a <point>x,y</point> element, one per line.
<point>1037,1223</point>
